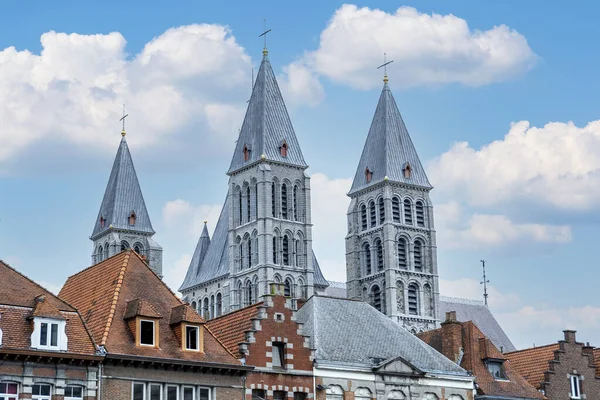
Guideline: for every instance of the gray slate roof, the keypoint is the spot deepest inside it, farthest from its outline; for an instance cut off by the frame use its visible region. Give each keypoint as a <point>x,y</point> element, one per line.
<point>336,289</point>
<point>388,148</point>
<point>211,260</point>
<point>476,311</point>
<point>266,125</point>
<point>353,333</point>
<point>122,196</point>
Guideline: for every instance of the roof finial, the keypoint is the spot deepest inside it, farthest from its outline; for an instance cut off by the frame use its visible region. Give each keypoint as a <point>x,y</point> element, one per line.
<point>384,65</point>
<point>484,283</point>
<point>123,119</point>
<point>264,35</point>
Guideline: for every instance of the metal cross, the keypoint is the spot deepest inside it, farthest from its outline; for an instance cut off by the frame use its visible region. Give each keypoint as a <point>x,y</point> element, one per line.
<point>484,283</point>
<point>385,64</point>
<point>264,34</point>
<point>123,117</point>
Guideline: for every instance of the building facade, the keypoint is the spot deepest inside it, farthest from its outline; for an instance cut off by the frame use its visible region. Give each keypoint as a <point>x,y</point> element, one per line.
<point>123,221</point>
<point>46,351</point>
<point>563,370</point>
<point>155,347</point>
<point>264,233</point>
<point>391,257</point>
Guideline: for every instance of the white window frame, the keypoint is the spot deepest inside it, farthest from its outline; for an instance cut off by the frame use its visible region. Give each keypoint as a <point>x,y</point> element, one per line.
<point>575,394</point>
<point>41,396</point>
<point>36,336</point>
<point>210,392</point>
<point>183,387</point>
<point>153,333</point>
<point>166,392</point>
<point>197,328</point>
<point>142,384</point>
<point>11,396</point>
<point>149,391</point>
<point>74,398</point>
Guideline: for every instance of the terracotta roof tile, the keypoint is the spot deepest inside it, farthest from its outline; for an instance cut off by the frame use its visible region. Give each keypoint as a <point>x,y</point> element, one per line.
<point>102,293</point>
<point>532,363</point>
<point>43,308</point>
<point>141,308</point>
<point>597,360</point>
<point>185,313</point>
<point>231,328</point>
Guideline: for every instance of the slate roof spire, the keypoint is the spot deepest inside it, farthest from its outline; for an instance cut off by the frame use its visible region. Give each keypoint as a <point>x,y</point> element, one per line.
<point>199,254</point>
<point>267,126</point>
<point>122,198</point>
<point>388,150</point>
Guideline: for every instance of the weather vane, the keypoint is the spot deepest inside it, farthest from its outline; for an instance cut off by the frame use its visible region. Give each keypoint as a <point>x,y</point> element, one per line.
<point>123,120</point>
<point>384,65</point>
<point>484,283</point>
<point>264,34</point>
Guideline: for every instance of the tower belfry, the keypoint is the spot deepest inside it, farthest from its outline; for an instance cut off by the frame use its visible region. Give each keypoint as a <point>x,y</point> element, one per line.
<point>391,258</point>
<point>123,221</point>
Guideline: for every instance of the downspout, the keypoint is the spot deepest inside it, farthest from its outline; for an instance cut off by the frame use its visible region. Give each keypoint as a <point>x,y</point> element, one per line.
<point>100,373</point>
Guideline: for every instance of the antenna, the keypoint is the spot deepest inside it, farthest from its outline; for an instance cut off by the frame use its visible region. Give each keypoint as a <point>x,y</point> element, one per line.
<point>484,283</point>
<point>384,65</point>
<point>264,34</point>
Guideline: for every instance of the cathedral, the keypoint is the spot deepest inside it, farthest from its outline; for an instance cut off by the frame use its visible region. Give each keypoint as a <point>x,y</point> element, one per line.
<point>264,232</point>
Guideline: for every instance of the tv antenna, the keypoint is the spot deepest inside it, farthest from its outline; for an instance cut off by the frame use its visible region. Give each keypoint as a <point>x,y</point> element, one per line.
<point>484,283</point>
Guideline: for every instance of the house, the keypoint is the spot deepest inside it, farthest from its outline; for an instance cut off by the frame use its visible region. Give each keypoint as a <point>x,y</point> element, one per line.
<point>46,351</point>
<point>155,346</point>
<point>564,370</point>
<point>269,338</point>
<point>360,353</point>
<point>465,344</point>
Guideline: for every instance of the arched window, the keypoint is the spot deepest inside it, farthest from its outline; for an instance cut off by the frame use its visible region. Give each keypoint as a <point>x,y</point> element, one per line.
<point>283,149</point>
<point>100,253</point>
<point>407,212</point>
<point>302,287</point>
<point>334,392</point>
<point>295,204</point>
<point>238,195</point>
<point>379,250</point>
<point>250,253</point>
<point>273,202</point>
<point>105,250</point>
<point>368,175</point>
<point>246,152</point>
<point>418,255</point>
<point>367,258</point>
<point>402,253</point>
<point>400,297</point>
<point>396,209</point>
<point>363,217</point>
<point>194,305</point>
<point>420,213</point>
<point>362,394</point>
<point>240,295</point>
<point>212,306</point>
<point>287,288</point>
<point>286,250</point>
<point>249,293</point>
<point>219,304</point>
<point>242,253</point>
<point>413,299</point>
<point>376,297</point>
<point>381,210</point>
<point>254,240</point>
<point>428,300</point>
<point>138,248</point>
<point>284,201</point>
<point>205,312</point>
<point>373,214</point>
<point>296,253</point>
<point>132,218</point>
<point>275,249</point>
<point>124,245</point>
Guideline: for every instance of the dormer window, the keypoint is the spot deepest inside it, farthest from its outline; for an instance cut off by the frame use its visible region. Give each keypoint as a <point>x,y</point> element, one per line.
<point>283,149</point>
<point>368,175</point>
<point>102,222</point>
<point>192,338</point>
<point>48,334</point>
<point>496,369</point>
<point>407,171</point>
<point>132,218</point>
<point>147,336</point>
<point>246,153</point>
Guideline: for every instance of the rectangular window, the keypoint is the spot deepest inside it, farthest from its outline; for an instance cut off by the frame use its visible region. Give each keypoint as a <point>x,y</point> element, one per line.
<point>575,386</point>
<point>495,368</point>
<point>9,391</point>
<point>73,392</point>
<point>155,391</point>
<point>172,392</point>
<point>54,335</point>
<point>147,333</point>
<point>191,337</point>
<point>278,355</point>
<point>44,334</point>
<point>188,393</point>
<point>279,395</point>
<point>139,391</point>
<point>40,392</point>
<point>299,396</point>
<point>259,394</point>
<point>204,394</point>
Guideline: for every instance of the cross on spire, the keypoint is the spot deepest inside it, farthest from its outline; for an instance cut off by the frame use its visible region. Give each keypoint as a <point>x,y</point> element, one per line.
<point>484,283</point>
<point>384,65</point>
<point>123,119</point>
<point>264,35</point>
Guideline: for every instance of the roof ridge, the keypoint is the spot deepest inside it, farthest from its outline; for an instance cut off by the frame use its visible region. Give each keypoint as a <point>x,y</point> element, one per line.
<point>533,348</point>
<point>116,294</point>
<point>156,275</point>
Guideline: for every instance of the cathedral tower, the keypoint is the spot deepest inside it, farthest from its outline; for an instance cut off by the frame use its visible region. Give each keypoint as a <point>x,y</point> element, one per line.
<point>123,221</point>
<point>390,247</point>
<point>264,233</point>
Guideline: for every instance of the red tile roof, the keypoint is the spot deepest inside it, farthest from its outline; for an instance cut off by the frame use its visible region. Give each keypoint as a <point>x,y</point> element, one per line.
<point>597,360</point>
<point>532,363</point>
<point>102,293</point>
<point>18,305</point>
<point>231,328</point>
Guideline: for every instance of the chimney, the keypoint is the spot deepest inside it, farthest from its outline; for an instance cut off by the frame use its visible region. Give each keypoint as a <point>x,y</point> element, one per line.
<point>589,350</point>
<point>451,316</point>
<point>569,336</point>
<point>451,337</point>
<point>277,289</point>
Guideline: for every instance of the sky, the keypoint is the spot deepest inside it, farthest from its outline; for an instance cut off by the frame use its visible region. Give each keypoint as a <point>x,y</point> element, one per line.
<point>500,99</point>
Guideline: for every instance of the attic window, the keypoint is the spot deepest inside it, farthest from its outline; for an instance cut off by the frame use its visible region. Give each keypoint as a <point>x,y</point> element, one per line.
<point>192,338</point>
<point>147,333</point>
<point>283,149</point>
<point>246,153</point>
<point>102,222</point>
<point>495,368</point>
<point>407,171</point>
<point>132,218</point>
<point>368,175</point>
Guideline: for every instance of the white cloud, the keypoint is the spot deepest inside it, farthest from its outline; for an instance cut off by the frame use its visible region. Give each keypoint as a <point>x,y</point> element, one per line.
<point>428,49</point>
<point>557,165</point>
<point>300,85</point>
<point>457,229</point>
<point>467,288</point>
<point>183,218</point>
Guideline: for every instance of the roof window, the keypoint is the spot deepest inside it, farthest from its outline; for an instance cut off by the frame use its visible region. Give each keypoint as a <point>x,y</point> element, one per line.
<point>132,218</point>
<point>283,149</point>
<point>368,175</point>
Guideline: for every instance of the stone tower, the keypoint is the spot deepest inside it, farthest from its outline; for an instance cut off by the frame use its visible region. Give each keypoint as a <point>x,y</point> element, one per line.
<point>264,233</point>
<point>123,221</point>
<point>390,247</point>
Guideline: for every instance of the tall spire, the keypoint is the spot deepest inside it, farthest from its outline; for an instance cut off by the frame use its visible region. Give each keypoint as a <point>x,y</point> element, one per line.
<point>198,257</point>
<point>267,126</point>
<point>389,153</point>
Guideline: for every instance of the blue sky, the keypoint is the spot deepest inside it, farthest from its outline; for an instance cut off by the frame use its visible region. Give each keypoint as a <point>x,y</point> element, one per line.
<point>463,72</point>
